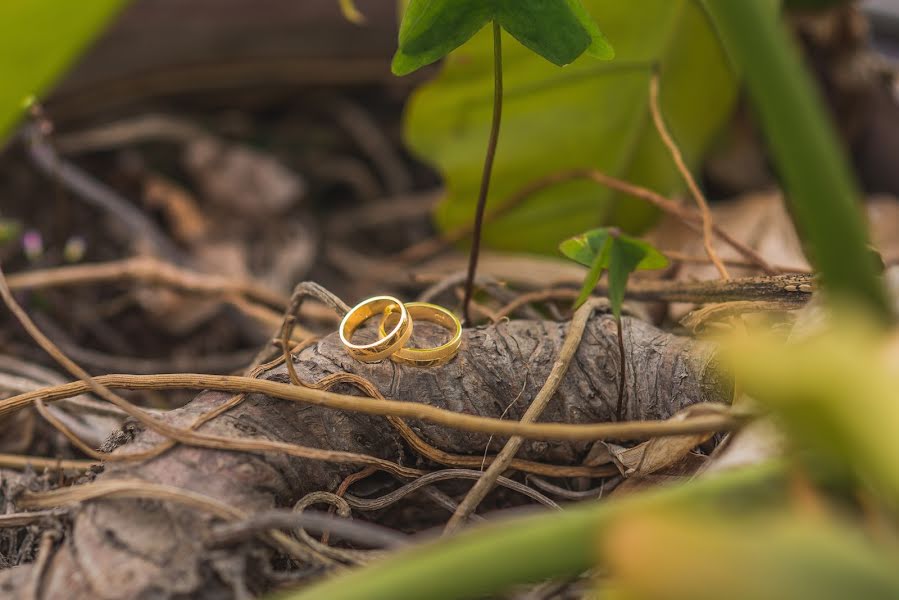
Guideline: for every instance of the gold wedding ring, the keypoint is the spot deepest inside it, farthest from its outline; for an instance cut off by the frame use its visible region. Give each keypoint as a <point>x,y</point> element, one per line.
<point>426,357</point>
<point>388,343</point>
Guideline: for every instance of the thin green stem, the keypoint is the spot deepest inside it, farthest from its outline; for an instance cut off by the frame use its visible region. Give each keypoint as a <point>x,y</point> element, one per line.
<point>488,168</point>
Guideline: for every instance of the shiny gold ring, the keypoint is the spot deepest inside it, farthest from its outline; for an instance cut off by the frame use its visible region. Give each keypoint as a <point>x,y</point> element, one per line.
<point>388,343</point>
<point>427,357</point>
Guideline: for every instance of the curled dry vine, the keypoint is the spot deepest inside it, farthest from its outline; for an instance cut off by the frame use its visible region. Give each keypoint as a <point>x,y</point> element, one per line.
<point>728,419</point>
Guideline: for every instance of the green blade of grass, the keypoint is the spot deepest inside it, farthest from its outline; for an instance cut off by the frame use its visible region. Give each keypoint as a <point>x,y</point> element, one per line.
<point>816,178</point>
<point>38,40</point>
<point>489,559</point>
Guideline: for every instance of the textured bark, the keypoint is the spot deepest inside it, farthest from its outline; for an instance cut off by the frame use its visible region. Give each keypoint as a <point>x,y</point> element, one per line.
<point>146,549</point>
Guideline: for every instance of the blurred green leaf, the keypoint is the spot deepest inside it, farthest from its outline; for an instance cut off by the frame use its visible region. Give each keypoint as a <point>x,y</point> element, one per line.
<point>837,396</point>
<point>816,177</point>
<point>484,561</point>
<point>350,12</point>
<point>9,230</point>
<point>38,40</point>
<point>557,30</point>
<point>621,254</point>
<point>589,114</point>
<point>697,555</point>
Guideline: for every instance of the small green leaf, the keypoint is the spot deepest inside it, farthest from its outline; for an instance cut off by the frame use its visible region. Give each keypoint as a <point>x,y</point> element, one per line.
<point>585,247</point>
<point>558,30</point>
<point>625,258</point>
<point>652,258</point>
<point>600,262</point>
<point>605,248</point>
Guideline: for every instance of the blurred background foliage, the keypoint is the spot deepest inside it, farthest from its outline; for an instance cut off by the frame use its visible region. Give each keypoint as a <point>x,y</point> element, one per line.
<point>588,114</point>
<point>40,38</point>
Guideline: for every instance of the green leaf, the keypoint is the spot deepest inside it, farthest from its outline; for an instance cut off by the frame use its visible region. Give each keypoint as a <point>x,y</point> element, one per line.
<point>589,114</point>
<point>600,262</point>
<point>549,545</point>
<point>599,46</point>
<point>835,394</point>
<point>38,40</point>
<point>817,179</point>
<point>548,27</point>
<point>602,249</point>
<point>433,28</point>
<point>624,258</point>
<point>585,248</point>
<point>557,30</point>
<point>783,556</point>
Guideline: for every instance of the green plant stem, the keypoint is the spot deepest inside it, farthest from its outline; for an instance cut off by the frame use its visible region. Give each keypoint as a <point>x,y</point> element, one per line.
<point>488,168</point>
<point>816,177</point>
<point>485,561</point>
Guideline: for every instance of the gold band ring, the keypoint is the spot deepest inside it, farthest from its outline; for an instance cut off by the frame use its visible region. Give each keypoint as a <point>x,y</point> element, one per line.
<point>427,357</point>
<point>388,343</point>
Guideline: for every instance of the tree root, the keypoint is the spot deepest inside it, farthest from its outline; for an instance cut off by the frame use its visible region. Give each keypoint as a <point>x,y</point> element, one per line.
<point>141,548</point>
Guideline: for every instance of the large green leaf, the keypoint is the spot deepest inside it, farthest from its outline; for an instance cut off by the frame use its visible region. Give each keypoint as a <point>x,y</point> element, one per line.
<point>557,30</point>
<point>589,114</point>
<point>38,39</point>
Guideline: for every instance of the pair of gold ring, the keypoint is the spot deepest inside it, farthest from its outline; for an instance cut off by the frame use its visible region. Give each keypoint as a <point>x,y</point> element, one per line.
<point>392,342</point>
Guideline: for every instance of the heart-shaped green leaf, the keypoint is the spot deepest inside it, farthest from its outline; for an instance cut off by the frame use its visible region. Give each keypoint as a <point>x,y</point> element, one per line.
<point>624,258</point>
<point>584,248</point>
<point>557,30</point>
<point>605,248</point>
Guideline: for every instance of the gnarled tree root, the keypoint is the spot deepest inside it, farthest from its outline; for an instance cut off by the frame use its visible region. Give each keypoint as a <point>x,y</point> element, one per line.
<point>151,549</point>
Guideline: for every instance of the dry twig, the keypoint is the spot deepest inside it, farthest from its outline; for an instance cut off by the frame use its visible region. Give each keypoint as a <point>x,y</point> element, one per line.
<point>691,217</point>
<point>139,489</point>
<point>17,461</point>
<point>727,420</point>
<point>707,222</point>
<point>504,458</point>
